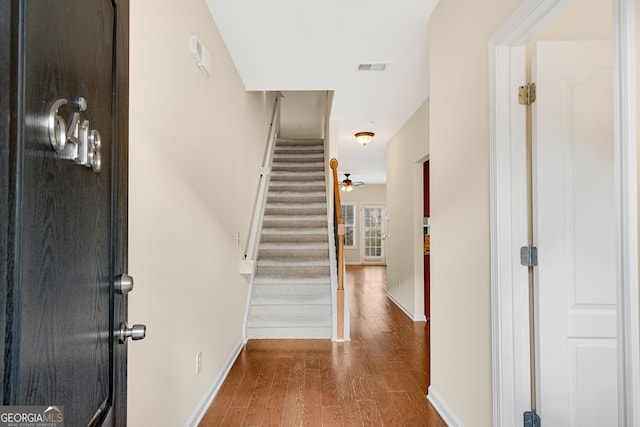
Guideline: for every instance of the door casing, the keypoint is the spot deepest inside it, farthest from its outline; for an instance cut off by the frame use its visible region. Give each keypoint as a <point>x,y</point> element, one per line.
<point>509,281</point>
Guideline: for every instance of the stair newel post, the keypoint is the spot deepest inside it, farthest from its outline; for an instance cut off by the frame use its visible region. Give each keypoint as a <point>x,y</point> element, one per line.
<point>339,224</point>
<point>339,230</point>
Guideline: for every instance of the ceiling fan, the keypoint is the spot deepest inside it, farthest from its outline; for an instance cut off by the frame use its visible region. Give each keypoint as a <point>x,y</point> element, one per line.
<point>347,184</point>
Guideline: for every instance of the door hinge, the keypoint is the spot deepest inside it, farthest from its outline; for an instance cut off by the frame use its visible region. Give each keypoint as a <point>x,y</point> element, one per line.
<point>529,256</point>
<point>527,94</point>
<point>531,419</point>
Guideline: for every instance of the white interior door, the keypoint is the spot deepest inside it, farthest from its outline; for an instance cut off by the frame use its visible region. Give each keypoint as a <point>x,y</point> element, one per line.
<point>373,234</point>
<point>574,229</point>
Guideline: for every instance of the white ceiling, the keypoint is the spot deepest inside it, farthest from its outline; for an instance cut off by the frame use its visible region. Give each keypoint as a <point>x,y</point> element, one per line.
<point>316,45</point>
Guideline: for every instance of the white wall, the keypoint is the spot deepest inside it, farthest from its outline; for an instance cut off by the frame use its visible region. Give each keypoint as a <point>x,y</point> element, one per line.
<point>196,145</point>
<point>406,153</point>
<point>368,194</point>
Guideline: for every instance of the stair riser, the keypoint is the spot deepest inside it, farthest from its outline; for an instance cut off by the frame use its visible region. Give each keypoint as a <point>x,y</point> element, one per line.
<point>289,271</point>
<point>289,333</point>
<point>299,150</point>
<point>300,158</point>
<point>295,142</point>
<point>294,199</point>
<point>290,315</point>
<point>295,224</point>
<point>290,253</point>
<point>287,238</point>
<point>297,188</point>
<point>273,210</point>
<point>294,177</point>
<point>296,167</point>
<point>291,295</point>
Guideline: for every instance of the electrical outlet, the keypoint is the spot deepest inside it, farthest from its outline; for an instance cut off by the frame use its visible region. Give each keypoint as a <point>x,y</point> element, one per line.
<point>198,362</point>
<point>237,238</point>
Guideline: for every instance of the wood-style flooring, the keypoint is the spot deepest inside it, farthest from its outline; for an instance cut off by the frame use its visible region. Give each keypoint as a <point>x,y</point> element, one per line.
<point>379,378</point>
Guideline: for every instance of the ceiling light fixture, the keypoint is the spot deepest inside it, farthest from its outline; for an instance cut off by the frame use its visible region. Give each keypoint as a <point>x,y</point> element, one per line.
<point>364,137</point>
<point>347,184</point>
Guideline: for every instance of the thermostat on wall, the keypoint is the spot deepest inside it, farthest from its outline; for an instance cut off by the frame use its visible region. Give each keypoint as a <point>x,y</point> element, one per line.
<point>201,55</point>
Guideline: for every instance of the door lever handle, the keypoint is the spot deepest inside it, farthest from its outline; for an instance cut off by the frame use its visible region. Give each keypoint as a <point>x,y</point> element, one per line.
<point>135,332</point>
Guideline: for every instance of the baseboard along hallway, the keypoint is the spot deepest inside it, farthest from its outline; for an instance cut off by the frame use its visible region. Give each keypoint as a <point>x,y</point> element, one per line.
<point>378,378</point>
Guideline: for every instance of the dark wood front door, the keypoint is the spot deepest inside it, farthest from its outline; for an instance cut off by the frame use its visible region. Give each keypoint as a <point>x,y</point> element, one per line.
<point>64,206</point>
<point>427,255</point>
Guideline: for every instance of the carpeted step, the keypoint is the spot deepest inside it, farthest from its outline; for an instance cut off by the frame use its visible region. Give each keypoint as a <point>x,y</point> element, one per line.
<point>295,208</point>
<point>298,176</point>
<point>298,157</point>
<point>298,186</point>
<point>297,167</point>
<point>302,268</point>
<point>291,292</point>
<point>294,294</point>
<point>300,149</point>
<point>290,333</point>
<point>295,221</point>
<point>294,235</point>
<point>298,281</point>
<point>302,315</point>
<point>296,197</point>
<point>289,321</point>
<point>285,142</point>
<point>293,249</point>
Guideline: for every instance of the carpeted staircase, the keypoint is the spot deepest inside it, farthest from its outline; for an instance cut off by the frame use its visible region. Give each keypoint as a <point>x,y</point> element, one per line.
<point>291,294</point>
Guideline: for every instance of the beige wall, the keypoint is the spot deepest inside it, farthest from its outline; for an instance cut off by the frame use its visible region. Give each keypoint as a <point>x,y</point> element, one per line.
<point>584,19</point>
<point>303,114</point>
<point>406,152</point>
<point>459,33</point>
<point>368,194</point>
<point>460,281</point>
<point>196,145</point>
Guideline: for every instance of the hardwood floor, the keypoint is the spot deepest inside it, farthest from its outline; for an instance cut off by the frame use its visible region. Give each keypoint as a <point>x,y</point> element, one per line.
<point>380,378</point>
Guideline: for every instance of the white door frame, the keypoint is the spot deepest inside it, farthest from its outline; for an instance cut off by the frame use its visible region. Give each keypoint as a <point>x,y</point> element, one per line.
<point>509,281</point>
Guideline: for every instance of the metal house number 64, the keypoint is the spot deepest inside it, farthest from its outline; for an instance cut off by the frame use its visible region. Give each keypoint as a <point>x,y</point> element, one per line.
<point>77,141</point>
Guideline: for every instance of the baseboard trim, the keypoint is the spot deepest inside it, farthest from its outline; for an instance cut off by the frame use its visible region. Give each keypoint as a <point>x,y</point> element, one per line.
<point>405,310</point>
<point>443,409</point>
<point>211,393</point>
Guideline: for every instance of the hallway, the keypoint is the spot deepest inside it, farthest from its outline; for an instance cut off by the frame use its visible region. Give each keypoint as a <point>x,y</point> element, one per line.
<point>379,378</point>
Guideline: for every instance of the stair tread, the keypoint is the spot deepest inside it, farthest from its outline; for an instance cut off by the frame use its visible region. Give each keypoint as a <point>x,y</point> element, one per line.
<point>279,217</point>
<point>295,245</point>
<point>294,206</point>
<point>288,142</point>
<point>324,279</point>
<point>289,333</point>
<point>295,192</point>
<point>293,230</point>
<point>312,262</point>
<point>298,164</point>
<point>296,183</point>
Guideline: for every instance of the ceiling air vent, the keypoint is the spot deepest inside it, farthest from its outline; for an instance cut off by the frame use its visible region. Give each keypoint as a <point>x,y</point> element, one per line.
<point>373,66</point>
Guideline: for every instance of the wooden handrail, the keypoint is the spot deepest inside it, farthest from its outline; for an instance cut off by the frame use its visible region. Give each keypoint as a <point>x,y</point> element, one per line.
<point>340,224</point>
